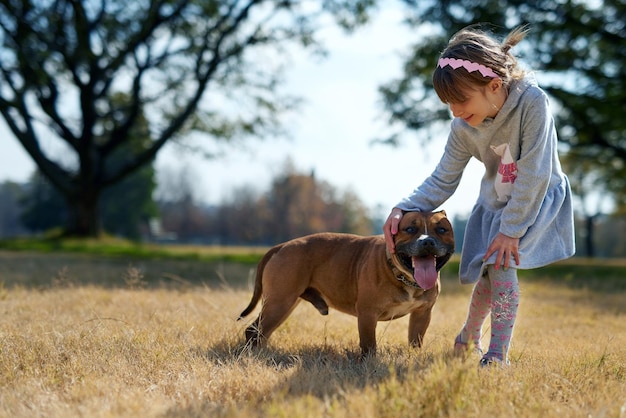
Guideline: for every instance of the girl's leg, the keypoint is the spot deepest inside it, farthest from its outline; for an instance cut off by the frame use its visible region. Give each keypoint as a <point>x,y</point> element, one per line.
<point>480,306</point>
<point>504,303</point>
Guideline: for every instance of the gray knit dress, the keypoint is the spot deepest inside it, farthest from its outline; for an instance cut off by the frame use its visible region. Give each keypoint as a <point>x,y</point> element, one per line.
<point>523,194</point>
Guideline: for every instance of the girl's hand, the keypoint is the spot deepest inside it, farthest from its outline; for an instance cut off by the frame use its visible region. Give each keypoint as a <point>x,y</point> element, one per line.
<point>390,228</point>
<point>504,247</point>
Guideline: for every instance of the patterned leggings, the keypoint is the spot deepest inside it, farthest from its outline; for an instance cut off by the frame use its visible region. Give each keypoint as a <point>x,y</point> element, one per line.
<point>496,293</point>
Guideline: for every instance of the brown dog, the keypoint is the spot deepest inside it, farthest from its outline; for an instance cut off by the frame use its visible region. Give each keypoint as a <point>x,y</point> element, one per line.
<point>356,275</point>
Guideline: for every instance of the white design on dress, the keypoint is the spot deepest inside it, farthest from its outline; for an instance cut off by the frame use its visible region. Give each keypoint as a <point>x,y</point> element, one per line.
<point>507,172</point>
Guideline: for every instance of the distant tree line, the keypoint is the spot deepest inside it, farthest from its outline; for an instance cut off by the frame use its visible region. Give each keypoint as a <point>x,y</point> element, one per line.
<point>296,204</point>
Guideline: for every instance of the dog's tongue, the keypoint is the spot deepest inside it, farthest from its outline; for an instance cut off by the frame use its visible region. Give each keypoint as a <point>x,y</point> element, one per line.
<point>424,271</point>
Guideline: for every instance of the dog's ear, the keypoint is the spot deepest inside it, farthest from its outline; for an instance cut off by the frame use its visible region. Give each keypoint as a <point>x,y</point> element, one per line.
<point>442,212</point>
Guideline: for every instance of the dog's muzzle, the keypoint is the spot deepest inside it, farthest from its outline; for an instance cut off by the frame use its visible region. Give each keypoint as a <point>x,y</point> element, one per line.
<point>424,257</point>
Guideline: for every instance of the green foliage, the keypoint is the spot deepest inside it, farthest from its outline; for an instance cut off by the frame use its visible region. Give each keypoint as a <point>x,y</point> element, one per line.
<point>602,276</point>
<point>10,195</point>
<point>116,247</point>
<point>599,275</point>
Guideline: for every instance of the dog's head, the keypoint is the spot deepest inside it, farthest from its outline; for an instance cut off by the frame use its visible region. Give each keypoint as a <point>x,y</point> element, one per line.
<point>424,243</point>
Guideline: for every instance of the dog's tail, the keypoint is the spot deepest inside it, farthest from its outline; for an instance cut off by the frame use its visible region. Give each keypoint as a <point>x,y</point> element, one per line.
<point>258,283</point>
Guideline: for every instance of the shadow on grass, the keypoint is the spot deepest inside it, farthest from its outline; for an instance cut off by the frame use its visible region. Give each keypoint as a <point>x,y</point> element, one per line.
<point>322,371</point>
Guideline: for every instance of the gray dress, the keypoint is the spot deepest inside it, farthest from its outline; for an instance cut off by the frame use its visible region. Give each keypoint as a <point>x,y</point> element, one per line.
<point>523,194</point>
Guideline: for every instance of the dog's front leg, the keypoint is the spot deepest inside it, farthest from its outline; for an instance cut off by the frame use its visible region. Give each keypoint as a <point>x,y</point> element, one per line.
<point>367,333</point>
<point>418,324</point>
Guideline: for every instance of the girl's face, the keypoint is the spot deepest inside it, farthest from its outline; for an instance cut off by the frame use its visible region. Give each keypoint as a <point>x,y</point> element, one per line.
<point>480,104</point>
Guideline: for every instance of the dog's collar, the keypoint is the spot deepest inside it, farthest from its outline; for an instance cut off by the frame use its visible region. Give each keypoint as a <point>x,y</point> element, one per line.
<point>399,274</point>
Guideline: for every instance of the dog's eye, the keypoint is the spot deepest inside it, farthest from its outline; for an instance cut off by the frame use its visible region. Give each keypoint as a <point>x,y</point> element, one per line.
<point>410,230</point>
<point>441,230</point>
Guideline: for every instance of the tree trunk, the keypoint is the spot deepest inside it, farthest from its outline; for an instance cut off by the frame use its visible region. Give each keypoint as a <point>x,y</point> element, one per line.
<point>84,217</point>
<point>589,245</point>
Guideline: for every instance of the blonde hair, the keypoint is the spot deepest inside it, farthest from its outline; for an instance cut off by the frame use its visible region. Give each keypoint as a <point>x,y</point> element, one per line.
<point>474,45</point>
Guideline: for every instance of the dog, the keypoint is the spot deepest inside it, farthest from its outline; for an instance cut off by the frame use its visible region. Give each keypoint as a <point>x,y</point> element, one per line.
<point>355,275</point>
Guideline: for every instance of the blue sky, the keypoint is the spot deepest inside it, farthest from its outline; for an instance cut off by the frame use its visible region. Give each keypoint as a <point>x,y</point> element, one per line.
<point>331,133</point>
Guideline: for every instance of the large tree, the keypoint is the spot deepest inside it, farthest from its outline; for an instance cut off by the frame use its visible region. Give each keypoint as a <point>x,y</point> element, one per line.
<point>191,65</point>
<point>123,208</point>
<point>579,50</point>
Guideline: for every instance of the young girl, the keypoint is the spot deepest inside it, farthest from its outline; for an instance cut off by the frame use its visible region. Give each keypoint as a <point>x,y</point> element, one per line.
<point>523,216</point>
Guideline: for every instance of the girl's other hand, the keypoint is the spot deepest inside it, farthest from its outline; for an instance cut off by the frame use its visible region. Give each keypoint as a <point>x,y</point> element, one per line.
<point>504,247</point>
<point>390,228</point>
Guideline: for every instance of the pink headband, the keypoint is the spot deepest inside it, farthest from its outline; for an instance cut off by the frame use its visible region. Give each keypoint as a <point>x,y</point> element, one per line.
<point>470,66</point>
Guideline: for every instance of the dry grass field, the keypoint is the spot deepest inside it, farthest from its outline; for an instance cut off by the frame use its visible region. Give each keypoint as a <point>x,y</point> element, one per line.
<point>85,336</point>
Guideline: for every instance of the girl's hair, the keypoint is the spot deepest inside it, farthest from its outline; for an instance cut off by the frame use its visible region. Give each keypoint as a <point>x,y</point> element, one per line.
<point>474,45</point>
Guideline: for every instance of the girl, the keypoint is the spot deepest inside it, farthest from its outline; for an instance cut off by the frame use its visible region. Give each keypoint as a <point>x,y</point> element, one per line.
<point>523,216</point>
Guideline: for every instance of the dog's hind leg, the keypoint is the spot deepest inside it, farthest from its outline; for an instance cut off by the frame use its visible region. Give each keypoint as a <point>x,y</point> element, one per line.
<point>254,338</point>
<point>272,315</point>
<point>258,283</point>
<point>316,299</point>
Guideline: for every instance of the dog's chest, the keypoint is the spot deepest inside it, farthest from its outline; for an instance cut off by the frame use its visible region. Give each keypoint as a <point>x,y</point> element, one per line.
<point>402,308</point>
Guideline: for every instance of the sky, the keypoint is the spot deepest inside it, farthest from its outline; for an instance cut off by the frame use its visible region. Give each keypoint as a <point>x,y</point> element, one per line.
<point>331,133</point>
